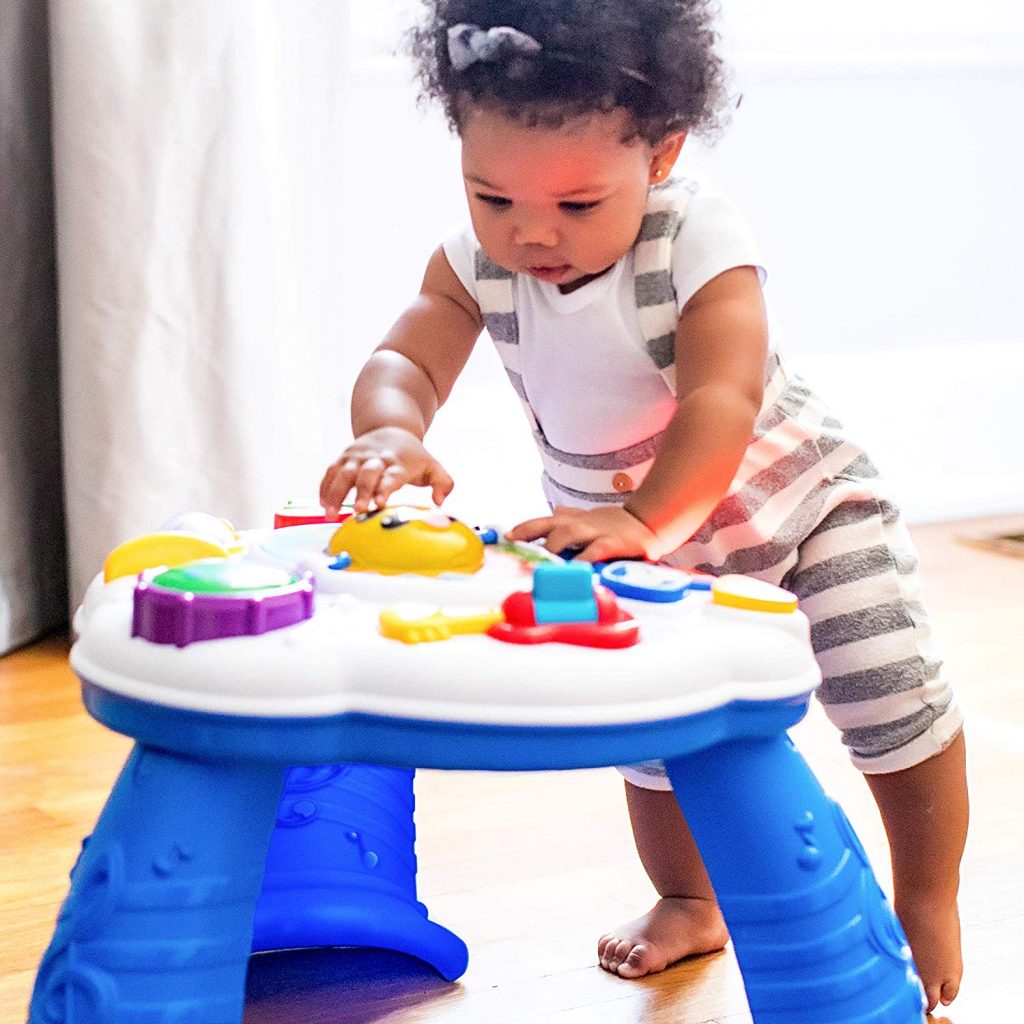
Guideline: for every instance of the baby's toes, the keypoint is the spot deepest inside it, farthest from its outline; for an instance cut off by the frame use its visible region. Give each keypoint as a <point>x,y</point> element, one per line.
<point>637,962</point>
<point>949,991</point>
<point>614,952</point>
<point>940,992</point>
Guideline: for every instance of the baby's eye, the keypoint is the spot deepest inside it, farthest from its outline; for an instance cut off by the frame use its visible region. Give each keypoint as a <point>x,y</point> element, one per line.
<point>571,207</point>
<point>498,202</point>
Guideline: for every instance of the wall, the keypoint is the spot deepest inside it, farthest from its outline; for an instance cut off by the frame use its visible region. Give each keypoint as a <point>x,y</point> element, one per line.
<point>880,170</point>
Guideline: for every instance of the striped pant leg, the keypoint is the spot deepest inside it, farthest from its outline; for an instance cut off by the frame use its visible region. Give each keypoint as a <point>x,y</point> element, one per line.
<point>883,685</point>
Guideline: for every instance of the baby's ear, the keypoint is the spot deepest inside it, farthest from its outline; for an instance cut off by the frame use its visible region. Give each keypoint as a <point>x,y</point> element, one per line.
<point>665,154</point>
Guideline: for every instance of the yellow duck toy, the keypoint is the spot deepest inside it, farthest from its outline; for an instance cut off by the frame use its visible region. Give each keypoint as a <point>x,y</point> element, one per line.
<point>403,539</point>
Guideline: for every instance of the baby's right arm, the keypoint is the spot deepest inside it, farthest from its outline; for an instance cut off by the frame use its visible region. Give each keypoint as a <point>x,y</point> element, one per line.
<point>398,392</point>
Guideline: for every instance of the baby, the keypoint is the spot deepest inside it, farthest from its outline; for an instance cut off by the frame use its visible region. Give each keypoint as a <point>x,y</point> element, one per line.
<point>627,309</point>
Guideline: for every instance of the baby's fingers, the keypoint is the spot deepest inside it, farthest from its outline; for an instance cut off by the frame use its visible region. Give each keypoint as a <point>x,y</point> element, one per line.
<point>440,483</point>
<point>532,529</point>
<point>367,482</point>
<point>336,484</point>
<point>390,480</point>
<point>566,541</point>
<point>602,549</point>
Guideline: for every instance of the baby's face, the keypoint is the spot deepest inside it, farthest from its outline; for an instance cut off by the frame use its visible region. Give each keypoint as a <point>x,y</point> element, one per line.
<point>560,204</point>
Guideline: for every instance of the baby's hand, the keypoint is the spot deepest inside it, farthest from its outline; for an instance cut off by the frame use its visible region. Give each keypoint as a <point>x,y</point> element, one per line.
<point>602,533</point>
<point>376,465</point>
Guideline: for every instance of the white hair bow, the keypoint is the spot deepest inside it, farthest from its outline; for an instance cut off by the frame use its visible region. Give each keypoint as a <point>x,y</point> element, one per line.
<point>468,43</point>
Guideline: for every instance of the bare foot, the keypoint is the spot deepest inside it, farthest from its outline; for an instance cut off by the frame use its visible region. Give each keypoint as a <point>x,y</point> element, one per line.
<point>932,925</point>
<point>674,928</point>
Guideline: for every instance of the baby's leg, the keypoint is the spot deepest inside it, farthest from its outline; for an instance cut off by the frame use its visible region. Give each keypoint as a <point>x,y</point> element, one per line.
<point>883,687</point>
<point>686,920</point>
<point>924,809</point>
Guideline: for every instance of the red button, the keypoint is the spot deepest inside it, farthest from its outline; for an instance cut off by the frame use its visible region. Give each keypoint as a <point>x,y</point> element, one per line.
<point>622,482</point>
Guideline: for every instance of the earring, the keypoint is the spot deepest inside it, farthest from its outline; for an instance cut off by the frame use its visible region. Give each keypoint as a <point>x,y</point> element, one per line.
<point>659,174</point>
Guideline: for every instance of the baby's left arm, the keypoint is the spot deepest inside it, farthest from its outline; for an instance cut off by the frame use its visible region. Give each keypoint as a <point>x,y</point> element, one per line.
<point>721,346</point>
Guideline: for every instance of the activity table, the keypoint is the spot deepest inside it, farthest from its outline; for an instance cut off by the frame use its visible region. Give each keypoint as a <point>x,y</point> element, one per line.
<point>283,685</point>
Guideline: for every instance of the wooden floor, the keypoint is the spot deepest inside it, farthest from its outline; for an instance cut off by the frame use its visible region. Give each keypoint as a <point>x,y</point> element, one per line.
<point>529,869</point>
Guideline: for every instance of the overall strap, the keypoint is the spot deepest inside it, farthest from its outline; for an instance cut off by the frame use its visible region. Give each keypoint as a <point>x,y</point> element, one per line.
<point>496,299</point>
<point>652,273</point>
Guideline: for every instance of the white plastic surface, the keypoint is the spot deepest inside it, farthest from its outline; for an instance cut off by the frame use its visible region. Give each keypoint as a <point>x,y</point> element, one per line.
<point>692,655</point>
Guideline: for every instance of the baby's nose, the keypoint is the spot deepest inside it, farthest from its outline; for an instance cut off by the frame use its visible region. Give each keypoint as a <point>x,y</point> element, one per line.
<point>535,232</point>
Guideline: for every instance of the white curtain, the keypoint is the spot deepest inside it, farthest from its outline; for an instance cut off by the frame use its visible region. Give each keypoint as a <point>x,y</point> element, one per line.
<point>198,169</point>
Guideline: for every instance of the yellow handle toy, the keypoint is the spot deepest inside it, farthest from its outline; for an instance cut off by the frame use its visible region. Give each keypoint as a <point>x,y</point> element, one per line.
<point>414,626</point>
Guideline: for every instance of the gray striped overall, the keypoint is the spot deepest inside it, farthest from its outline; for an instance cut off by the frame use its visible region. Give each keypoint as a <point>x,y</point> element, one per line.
<point>806,510</point>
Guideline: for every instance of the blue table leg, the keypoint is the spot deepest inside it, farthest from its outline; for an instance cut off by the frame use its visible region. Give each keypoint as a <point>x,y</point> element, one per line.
<point>341,868</point>
<point>814,935</point>
<point>157,925</point>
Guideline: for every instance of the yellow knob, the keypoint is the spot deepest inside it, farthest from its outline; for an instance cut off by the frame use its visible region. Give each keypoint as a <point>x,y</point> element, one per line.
<point>752,595</point>
<point>151,550</point>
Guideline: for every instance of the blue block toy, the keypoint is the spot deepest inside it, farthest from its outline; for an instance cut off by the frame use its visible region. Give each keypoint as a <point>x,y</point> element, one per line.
<point>564,593</point>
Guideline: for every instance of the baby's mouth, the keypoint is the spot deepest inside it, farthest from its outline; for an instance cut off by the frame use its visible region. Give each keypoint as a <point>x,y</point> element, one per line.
<point>556,275</point>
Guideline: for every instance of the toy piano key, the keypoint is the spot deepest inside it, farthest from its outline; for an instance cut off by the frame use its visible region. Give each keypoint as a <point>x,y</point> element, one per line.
<point>735,591</point>
<point>643,581</point>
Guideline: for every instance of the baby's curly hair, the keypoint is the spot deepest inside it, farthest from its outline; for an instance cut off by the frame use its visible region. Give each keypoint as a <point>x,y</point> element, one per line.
<point>656,59</point>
